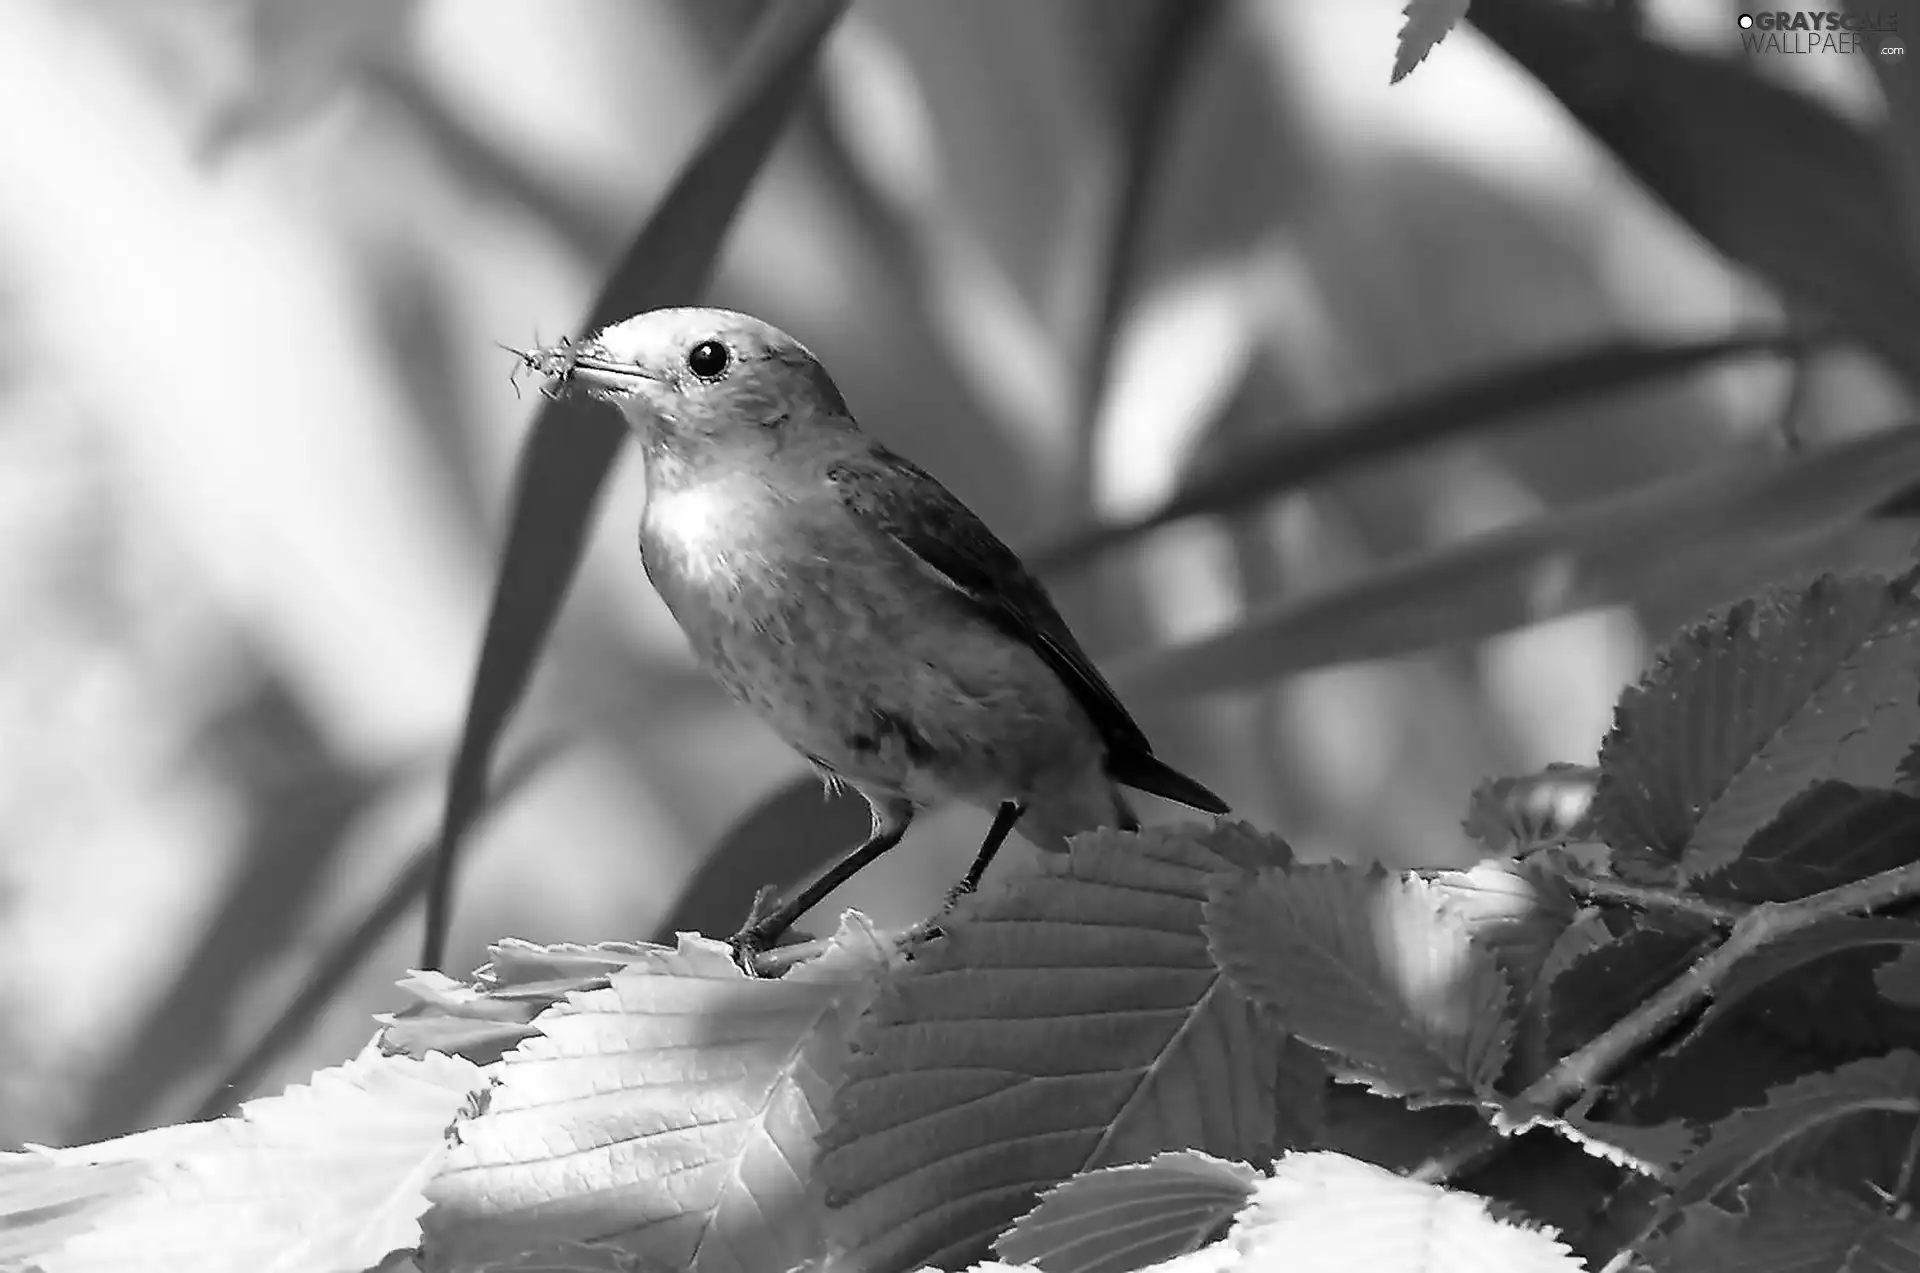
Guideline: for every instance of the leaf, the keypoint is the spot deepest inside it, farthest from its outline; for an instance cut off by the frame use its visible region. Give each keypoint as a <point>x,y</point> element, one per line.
<point>1519,815</point>
<point>1327,1213</point>
<point>1370,967</point>
<point>1702,529</point>
<point>1428,22</point>
<point>1779,958</point>
<point>671,1115</point>
<point>1864,1156</point>
<point>1758,169</point>
<point>1123,1218</point>
<point>1067,1021</point>
<point>1612,979</point>
<point>1828,835</point>
<point>1652,1150</point>
<point>1383,1130</point>
<point>1532,1046</point>
<point>326,1176</point>
<point>1513,909</point>
<point>1899,979</point>
<point>1739,1143</point>
<point>348,949</point>
<point>1787,1226</point>
<point>1300,1092</point>
<point>571,448</point>
<point>564,1257</point>
<point>481,1020</point>
<point>1271,465</point>
<point>1743,711</point>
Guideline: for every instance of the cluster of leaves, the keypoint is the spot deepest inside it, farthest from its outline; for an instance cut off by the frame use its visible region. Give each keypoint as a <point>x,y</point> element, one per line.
<point>1691,1041</point>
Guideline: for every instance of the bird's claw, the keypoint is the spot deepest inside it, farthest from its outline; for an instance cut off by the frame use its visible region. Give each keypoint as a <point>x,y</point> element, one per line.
<point>754,939</point>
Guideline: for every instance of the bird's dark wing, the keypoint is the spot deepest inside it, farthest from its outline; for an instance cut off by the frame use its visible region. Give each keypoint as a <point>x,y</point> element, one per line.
<point>956,547</point>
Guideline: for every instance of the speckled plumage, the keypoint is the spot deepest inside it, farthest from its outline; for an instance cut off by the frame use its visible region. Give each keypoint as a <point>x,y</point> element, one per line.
<point>849,599</point>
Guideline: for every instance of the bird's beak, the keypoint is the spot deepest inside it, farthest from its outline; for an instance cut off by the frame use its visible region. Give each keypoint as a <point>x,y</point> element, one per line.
<point>608,376</point>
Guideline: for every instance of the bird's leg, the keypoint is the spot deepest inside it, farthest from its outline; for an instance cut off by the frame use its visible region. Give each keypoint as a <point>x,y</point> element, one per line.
<point>769,920</point>
<point>1004,819</point>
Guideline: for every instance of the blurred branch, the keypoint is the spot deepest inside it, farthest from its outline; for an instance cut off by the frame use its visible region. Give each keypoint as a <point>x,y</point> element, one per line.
<point>572,448</point>
<point>1313,452</point>
<point>1770,176</point>
<point>1706,533</point>
<point>1900,133</point>
<point>344,956</point>
<point>489,170</point>
<point>300,799</point>
<point>1168,49</point>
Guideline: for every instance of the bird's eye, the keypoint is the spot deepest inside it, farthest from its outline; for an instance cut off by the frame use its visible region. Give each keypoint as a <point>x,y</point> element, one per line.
<point>708,360</point>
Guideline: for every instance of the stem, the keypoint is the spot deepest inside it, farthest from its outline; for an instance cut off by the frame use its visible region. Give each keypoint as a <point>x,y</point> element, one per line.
<point>1640,897</point>
<point>1591,1065</point>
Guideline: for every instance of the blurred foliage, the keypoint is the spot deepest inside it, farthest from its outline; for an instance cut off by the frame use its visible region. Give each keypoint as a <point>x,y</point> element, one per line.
<point>1071,256</point>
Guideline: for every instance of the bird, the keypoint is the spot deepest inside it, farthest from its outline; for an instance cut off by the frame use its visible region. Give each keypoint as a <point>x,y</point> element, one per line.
<point>858,607</point>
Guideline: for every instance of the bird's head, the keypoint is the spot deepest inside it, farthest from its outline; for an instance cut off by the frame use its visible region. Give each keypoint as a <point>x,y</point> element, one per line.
<point>704,385</point>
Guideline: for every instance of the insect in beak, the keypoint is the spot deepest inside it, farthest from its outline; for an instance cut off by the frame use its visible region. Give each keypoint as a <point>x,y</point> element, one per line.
<point>555,362</point>
<point>568,363</point>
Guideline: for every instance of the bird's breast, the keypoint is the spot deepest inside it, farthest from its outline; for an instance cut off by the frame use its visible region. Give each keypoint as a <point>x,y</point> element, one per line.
<point>831,633</point>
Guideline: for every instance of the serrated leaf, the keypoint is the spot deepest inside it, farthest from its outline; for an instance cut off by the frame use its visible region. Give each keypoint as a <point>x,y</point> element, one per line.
<point>481,1019</point>
<point>1830,834</point>
<point>671,1115</point>
<point>326,1176</point>
<point>1787,1226</point>
<point>1532,1049</point>
<point>1739,1143</point>
<point>1428,22</point>
<point>1370,967</point>
<point>1518,815</point>
<point>1744,711</point>
<point>1123,1218</point>
<point>1327,1212</point>
<point>1653,1150</point>
<point>1610,980</point>
<point>1067,1021</point>
<point>1514,909</point>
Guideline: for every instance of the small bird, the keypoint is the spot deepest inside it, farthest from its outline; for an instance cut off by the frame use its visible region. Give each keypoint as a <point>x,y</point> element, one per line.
<point>848,598</point>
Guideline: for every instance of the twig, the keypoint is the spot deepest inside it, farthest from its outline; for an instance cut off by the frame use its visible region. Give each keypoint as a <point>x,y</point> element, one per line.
<point>1617,893</point>
<point>1585,1069</point>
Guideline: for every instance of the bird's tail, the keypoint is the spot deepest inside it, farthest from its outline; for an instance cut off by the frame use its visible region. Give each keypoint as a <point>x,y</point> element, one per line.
<point>1143,771</point>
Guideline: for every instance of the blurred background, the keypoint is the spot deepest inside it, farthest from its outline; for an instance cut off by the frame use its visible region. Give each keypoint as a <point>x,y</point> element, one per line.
<point>257,443</point>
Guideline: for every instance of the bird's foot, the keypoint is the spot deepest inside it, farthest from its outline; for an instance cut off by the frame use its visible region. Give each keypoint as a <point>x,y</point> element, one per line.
<point>929,929</point>
<point>761,930</point>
